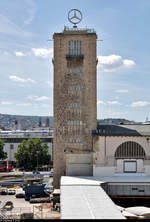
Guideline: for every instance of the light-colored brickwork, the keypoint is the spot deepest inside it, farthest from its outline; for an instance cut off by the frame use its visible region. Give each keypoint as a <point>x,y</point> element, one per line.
<point>105,163</point>
<point>74,96</point>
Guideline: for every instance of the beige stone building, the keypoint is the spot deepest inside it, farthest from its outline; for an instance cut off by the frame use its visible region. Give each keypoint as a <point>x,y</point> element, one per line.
<point>75,101</point>
<point>121,150</point>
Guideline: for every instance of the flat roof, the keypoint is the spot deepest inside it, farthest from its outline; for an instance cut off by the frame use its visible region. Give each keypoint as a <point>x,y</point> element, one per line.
<point>123,130</point>
<point>97,181</point>
<point>84,198</point>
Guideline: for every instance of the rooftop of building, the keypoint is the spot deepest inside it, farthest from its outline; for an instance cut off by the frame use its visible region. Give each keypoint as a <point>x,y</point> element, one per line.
<point>76,31</point>
<point>97,180</point>
<point>26,133</point>
<point>123,130</point>
<point>84,198</point>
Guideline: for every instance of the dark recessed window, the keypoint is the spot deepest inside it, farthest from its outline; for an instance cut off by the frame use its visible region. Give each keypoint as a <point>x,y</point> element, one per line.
<point>11,146</point>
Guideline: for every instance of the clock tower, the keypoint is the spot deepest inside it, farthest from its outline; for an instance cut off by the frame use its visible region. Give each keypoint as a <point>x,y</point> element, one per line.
<point>75,100</point>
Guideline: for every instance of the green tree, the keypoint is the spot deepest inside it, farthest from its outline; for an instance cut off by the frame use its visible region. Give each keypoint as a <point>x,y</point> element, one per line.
<point>31,153</point>
<point>3,155</point>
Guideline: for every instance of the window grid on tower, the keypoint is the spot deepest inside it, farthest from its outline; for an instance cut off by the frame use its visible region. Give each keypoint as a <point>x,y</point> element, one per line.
<point>74,48</point>
<point>75,70</point>
<point>75,88</point>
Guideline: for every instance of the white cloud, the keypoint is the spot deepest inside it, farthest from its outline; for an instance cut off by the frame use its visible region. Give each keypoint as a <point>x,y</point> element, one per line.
<point>113,62</point>
<point>140,104</point>
<point>41,98</point>
<point>20,54</point>
<point>38,52</point>
<point>42,52</point>
<point>50,83</point>
<point>38,98</point>
<point>128,63</point>
<point>100,102</point>
<point>5,103</point>
<point>122,91</point>
<point>113,103</point>
<point>21,80</point>
<point>108,103</point>
<point>24,104</point>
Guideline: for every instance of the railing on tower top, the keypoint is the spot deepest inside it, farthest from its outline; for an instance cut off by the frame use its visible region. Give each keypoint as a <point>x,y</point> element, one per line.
<point>66,28</point>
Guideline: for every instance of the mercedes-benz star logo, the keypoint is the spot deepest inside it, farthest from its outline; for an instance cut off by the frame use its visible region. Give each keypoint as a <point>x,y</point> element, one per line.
<point>74,16</point>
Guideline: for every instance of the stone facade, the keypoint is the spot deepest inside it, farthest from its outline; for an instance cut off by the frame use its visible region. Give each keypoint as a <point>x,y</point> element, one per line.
<point>105,163</point>
<point>74,99</point>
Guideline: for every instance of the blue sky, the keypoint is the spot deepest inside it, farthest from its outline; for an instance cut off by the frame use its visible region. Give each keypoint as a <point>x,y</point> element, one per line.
<point>26,70</point>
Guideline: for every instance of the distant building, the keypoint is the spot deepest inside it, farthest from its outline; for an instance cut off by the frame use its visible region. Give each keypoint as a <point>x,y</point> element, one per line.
<point>13,138</point>
<point>40,122</point>
<point>47,124</point>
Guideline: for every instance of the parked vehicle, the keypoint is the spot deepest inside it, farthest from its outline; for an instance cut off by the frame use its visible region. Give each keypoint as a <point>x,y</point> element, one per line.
<point>5,166</point>
<point>35,191</point>
<point>4,191</point>
<point>20,195</point>
<point>8,205</point>
<point>48,188</point>
<point>36,172</point>
<point>11,192</point>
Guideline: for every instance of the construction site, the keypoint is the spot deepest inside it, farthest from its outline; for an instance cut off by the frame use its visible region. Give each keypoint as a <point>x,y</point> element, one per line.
<point>30,198</point>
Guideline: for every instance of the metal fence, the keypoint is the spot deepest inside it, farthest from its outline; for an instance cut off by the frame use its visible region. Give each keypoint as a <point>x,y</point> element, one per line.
<point>17,213</point>
<point>39,211</point>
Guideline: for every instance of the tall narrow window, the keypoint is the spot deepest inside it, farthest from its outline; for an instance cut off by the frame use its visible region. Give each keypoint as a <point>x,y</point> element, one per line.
<point>80,47</point>
<point>11,146</point>
<point>69,47</point>
<point>74,48</point>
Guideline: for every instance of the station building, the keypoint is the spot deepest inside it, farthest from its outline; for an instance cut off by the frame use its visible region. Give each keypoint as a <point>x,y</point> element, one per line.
<point>121,150</point>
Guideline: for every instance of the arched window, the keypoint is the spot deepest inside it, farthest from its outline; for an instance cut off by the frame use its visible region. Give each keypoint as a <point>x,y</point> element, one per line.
<point>130,149</point>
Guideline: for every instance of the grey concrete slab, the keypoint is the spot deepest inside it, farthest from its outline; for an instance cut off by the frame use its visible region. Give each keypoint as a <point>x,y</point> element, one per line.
<point>87,202</point>
<point>84,198</point>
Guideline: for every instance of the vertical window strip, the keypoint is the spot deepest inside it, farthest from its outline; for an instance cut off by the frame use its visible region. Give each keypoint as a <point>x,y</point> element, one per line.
<point>126,149</point>
<point>77,47</point>
<point>132,148</point>
<point>69,46</point>
<point>135,148</point>
<point>74,47</point>
<point>80,47</point>
<point>138,152</point>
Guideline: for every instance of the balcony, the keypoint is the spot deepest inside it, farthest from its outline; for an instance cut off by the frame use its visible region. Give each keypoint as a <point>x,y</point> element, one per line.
<point>70,56</point>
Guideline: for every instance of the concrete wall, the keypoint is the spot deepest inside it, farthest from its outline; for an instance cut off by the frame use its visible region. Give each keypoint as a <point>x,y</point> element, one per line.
<point>105,147</point>
<point>79,165</point>
<point>103,171</point>
<point>133,189</point>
